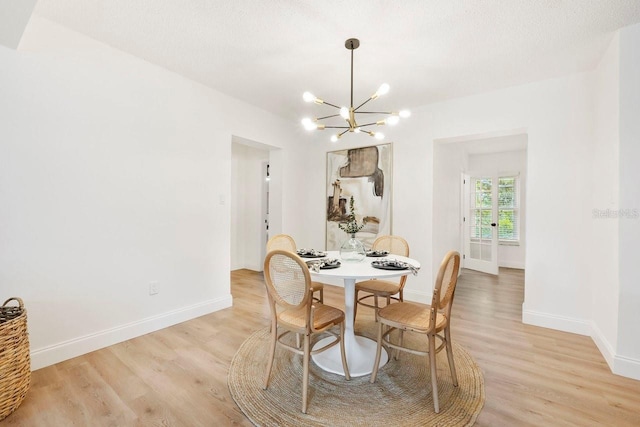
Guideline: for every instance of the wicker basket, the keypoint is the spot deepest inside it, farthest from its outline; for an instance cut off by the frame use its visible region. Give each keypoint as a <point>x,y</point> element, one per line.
<point>15,363</point>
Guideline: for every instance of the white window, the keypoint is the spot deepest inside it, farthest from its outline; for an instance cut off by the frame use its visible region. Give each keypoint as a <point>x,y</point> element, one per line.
<point>508,209</point>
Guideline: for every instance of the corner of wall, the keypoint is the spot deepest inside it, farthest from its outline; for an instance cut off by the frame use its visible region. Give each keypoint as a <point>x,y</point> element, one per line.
<point>626,367</point>
<point>603,345</point>
<point>619,365</point>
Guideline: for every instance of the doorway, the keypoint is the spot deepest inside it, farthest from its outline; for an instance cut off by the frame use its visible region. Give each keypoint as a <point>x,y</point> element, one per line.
<point>480,210</point>
<point>470,194</point>
<point>250,201</point>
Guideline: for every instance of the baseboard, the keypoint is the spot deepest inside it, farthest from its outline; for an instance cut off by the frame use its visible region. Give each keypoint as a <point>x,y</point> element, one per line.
<point>603,345</point>
<point>619,365</point>
<point>626,367</point>
<point>518,265</point>
<point>552,321</point>
<point>416,296</point>
<point>78,346</point>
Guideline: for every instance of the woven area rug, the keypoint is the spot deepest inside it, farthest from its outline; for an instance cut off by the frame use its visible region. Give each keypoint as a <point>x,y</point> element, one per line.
<point>401,395</point>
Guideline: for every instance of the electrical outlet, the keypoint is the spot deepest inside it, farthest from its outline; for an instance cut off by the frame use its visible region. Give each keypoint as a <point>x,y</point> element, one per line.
<point>153,288</point>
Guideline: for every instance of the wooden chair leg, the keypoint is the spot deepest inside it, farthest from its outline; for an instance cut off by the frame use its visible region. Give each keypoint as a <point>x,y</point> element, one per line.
<point>272,352</point>
<point>343,354</point>
<point>374,372</point>
<point>434,378</point>
<point>297,340</point>
<point>321,296</point>
<point>376,307</point>
<point>305,374</point>
<point>452,367</point>
<point>400,343</point>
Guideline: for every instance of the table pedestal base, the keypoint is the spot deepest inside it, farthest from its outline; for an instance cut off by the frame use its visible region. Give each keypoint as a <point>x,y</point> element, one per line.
<point>361,353</point>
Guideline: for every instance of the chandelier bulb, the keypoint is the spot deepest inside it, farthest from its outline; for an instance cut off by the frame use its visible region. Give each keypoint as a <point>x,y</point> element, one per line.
<point>378,135</point>
<point>382,90</point>
<point>308,97</point>
<point>404,113</point>
<point>392,120</point>
<point>344,113</point>
<point>357,130</point>
<point>309,124</point>
<point>334,138</point>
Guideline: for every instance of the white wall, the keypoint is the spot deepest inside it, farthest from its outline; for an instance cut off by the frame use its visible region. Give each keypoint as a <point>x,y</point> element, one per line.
<point>14,16</point>
<point>246,206</point>
<point>556,115</point>
<point>450,161</point>
<point>604,184</point>
<point>112,172</point>
<point>628,351</point>
<point>498,164</point>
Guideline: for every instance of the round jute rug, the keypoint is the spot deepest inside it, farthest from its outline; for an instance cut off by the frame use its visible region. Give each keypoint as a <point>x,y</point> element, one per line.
<point>401,395</point>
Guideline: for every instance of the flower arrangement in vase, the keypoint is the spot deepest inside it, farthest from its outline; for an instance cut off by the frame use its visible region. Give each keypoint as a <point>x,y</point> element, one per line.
<point>352,249</point>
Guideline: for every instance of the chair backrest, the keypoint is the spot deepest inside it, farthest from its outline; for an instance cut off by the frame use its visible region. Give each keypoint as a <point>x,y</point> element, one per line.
<point>445,285</point>
<point>287,279</point>
<point>394,244</point>
<point>281,241</point>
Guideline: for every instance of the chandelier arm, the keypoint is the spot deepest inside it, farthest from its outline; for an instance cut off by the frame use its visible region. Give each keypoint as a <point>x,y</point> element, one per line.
<point>328,117</point>
<point>368,124</point>
<point>338,127</point>
<point>368,99</point>
<point>375,112</point>
<point>330,104</point>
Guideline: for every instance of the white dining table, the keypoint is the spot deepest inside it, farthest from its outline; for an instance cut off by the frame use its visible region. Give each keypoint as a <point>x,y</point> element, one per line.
<point>360,350</point>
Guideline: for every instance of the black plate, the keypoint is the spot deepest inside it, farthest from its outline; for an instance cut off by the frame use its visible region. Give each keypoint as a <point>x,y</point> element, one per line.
<point>324,267</point>
<point>329,267</point>
<point>377,254</point>
<point>310,254</point>
<point>388,266</point>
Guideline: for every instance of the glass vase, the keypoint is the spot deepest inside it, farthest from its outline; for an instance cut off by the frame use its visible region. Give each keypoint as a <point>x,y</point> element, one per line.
<point>352,250</point>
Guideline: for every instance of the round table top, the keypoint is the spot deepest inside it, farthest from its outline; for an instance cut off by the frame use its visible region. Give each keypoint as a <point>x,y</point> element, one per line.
<point>363,269</point>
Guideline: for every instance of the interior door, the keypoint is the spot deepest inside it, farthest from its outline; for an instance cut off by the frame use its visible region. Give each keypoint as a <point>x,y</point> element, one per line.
<point>481,223</point>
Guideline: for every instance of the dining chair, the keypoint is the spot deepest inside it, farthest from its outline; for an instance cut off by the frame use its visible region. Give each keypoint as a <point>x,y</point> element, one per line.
<point>375,288</point>
<point>286,243</point>
<point>432,321</point>
<point>293,311</point>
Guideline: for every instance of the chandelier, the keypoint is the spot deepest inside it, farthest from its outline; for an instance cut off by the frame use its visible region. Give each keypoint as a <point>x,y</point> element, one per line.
<point>349,113</point>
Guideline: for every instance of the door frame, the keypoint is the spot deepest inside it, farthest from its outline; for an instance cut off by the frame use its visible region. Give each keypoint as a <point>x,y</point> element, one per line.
<point>489,267</point>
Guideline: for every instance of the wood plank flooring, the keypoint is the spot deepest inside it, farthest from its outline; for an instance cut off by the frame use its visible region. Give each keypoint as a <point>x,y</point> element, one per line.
<point>178,376</point>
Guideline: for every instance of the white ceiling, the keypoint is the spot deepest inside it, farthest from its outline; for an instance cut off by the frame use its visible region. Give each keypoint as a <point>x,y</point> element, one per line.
<point>268,53</point>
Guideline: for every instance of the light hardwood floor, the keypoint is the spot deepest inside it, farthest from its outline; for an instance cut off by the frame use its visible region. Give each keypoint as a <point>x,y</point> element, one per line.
<point>178,376</point>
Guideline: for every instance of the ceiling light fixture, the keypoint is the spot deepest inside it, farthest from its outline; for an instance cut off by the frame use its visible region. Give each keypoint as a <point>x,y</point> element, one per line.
<point>349,113</point>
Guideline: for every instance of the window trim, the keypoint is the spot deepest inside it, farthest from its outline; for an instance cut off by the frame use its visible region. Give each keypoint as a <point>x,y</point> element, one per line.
<point>516,210</point>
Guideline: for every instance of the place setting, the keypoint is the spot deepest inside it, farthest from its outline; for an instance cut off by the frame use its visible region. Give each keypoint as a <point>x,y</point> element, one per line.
<point>311,253</point>
<point>371,253</point>
<point>394,264</point>
<point>323,264</point>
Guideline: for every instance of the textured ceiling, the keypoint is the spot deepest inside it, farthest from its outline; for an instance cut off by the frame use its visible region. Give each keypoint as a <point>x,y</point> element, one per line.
<point>268,53</point>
